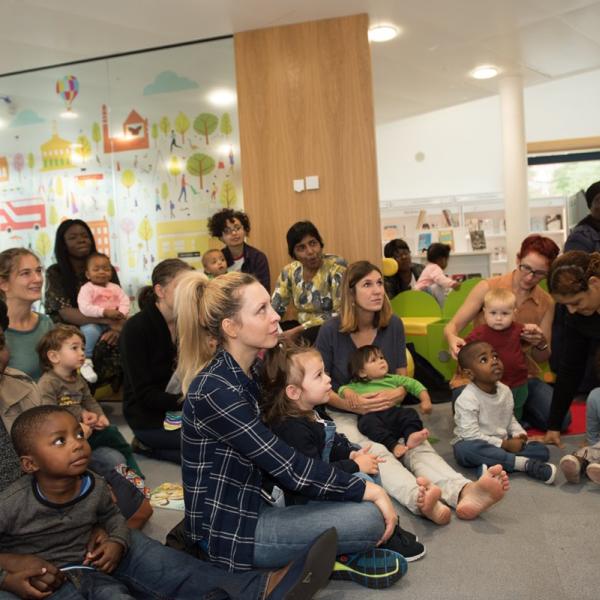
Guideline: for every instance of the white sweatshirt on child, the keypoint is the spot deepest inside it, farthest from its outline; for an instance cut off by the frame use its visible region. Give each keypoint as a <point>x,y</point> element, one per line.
<point>482,416</point>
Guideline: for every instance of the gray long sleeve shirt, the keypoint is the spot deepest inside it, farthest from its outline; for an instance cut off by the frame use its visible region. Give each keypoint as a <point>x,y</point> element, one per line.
<point>58,533</point>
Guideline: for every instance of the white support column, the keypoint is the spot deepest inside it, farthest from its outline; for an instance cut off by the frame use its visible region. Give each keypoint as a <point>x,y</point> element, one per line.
<point>515,165</point>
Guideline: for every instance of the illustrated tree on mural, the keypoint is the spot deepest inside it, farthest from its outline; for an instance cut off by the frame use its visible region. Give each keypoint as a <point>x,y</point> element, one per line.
<point>226,127</point>
<point>205,124</point>
<point>59,189</point>
<point>84,148</point>
<point>110,208</point>
<point>164,191</point>
<point>154,132</point>
<point>165,126</point>
<point>31,161</point>
<point>96,134</point>
<point>145,231</point>
<point>174,165</point>
<point>228,195</point>
<point>128,179</point>
<point>182,124</point>
<point>200,165</point>
<point>43,244</point>
<point>127,226</point>
<point>53,216</point>
<point>18,163</point>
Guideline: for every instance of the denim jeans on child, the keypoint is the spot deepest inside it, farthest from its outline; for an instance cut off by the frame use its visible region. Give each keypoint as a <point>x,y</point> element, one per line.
<point>92,333</point>
<point>593,417</point>
<point>474,453</point>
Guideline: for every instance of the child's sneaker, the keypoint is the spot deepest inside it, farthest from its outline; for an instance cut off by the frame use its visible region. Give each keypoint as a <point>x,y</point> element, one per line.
<point>377,569</point>
<point>542,471</point>
<point>593,472</point>
<point>87,371</point>
<point>406,544</point>
<point>570,465</point>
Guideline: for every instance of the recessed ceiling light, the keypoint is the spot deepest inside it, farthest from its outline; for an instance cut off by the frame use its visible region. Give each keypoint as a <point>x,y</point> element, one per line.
<point>69,114</point>
<point>383,33</point>
<point>484,72</point>
<point>221,97</point>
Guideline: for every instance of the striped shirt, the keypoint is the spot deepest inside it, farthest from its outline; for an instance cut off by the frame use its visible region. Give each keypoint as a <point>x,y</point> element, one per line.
<point>226,451</point>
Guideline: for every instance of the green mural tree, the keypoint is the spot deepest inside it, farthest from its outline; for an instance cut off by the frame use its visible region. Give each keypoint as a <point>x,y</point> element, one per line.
<point>154,132</point>
<point>31,161</point>
<point>174,165</point>
<point>164,191</point>
<point>128,179</point>
<point>84,148</point>
<point>182,124</point>
<point>205,124</point>
<point>228,195</point>
<point>110,208</point>
<point>145,231</point>
<point>53,216</point>
<point>43,244</point>
<point>226,127</point>
<point>200,165</point>
<point>59,188</point>
<point>165,125</point>
<point>96,134</point>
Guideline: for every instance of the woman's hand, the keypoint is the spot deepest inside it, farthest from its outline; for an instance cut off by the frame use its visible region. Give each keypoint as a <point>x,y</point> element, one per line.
<point>550,437</point>
<point>374,402</point>
<point>455,343</point>
<point>533,334</point>
<point>111,336</point>
<point>379,497</point>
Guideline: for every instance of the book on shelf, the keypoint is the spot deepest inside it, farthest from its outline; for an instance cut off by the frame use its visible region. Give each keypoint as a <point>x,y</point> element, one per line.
<point>424,241</point>
<point>421,219</point>
<point>478,240</point>
<point>390,232</point>
<point>553,222</point>
<point>446,236</point>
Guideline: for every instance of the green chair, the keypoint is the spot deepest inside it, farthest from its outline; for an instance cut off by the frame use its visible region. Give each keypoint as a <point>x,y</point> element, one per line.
<point>456,298</point>
<point>415,303</point>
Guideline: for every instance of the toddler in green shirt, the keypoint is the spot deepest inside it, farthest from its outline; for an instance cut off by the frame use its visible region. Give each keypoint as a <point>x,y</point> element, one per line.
<point>399,429</point>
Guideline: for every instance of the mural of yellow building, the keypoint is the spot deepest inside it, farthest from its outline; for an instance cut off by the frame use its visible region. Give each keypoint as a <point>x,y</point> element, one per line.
<point>56,153</point>
<point>182,239</point>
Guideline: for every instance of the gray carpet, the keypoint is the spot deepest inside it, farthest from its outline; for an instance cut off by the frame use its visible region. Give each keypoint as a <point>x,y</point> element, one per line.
<point>538,543</point>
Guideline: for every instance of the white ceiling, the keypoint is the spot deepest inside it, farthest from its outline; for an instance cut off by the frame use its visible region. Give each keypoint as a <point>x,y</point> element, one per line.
<point>426,68</point>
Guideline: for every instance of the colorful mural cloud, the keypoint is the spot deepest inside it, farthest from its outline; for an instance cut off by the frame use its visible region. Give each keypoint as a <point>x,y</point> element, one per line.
<point>169,81</point>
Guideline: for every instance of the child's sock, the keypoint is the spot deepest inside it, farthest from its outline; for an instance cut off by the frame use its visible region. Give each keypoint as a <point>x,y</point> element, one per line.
<point>520,463</point>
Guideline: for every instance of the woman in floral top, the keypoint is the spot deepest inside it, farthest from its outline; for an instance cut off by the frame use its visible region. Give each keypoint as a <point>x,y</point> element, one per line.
<point>312,282</point>
<point>74,243</point>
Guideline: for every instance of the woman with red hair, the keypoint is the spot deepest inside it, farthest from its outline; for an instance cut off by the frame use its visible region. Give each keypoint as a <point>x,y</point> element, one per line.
<point>534,306</point>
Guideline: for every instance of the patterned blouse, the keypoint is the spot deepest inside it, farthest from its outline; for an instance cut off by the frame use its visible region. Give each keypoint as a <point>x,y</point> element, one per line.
<point>317,300</point>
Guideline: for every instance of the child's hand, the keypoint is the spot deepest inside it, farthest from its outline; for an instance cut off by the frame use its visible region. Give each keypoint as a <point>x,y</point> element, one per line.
<point>367,463</point>
<point>20,584</point>
<point>102,422</point>
<point>113,313</point>
<point>513,445</point>
<point>399,450</point>
<point>89,418</point>
<point>87,430</point>
<point>523,436</point>
<point>106,556</point>
<point>426,405</point>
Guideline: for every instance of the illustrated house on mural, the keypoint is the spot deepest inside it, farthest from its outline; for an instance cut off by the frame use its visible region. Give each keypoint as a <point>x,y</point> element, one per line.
<point>182,239</point>
<point>101,235</point>
<point>134,136</point>
<point>56,153</point>
<point>3,169</point>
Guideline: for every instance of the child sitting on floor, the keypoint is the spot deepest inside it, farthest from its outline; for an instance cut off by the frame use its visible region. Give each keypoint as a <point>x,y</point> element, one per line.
<point>505,336</point>
<point>432,279</point>
<point>51,511</point>
<point>295,389</point>
<point>369,373</point>
<point>61,354</point>
<point>487,431</point>
<point>99,298</point>
<point>214,263</point>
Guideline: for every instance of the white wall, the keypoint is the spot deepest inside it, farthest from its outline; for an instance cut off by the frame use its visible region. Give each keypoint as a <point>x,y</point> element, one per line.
<point>462,144</point>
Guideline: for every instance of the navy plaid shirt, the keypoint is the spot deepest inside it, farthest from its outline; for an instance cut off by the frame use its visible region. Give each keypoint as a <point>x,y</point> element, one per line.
<point>225,450</point>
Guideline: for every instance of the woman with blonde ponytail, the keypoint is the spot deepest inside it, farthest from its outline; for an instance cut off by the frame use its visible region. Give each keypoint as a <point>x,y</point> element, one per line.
<point>230,458</point>
<point>574,281</point>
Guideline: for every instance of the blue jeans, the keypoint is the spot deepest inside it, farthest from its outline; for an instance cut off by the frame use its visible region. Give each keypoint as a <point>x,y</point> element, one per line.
<point>282,533</point>
<point>104,460</point>
<point>474,453</point>
<point>536,410</point>
<point>592,417</point>
<point>155,572</point>
<point>164,445</point>
<point>92,333</point>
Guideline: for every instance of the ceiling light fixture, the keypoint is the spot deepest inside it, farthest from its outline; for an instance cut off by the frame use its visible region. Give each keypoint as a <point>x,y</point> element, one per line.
<point>69,114</point>
<point>484,72</point>
<point>383,33</point>
<point>222,97</point>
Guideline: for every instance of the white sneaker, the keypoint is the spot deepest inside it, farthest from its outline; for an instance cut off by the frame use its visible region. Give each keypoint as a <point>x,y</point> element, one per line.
<point>87,371</point>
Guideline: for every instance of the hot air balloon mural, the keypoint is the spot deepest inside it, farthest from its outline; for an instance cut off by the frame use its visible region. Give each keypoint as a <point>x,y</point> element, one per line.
<point>68,88</point>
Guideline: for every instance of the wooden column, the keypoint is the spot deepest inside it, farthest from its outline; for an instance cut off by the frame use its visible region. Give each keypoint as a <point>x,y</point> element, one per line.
<point>305,101</point>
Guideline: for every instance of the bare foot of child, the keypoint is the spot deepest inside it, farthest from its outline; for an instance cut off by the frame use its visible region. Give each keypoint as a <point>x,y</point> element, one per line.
<point>399,451</point>
<point>416,438</point>
<point>479,495</point>
<point>429,503</point>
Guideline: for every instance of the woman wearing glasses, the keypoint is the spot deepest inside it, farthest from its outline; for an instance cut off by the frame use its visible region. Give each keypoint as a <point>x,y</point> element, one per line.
<point>408,272</point>
<point>534,306</point>
<point>232,227</point>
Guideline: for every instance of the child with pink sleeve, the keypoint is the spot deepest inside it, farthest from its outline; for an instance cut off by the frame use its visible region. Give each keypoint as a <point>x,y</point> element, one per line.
<point>101,299</point>
<point>432,279</point>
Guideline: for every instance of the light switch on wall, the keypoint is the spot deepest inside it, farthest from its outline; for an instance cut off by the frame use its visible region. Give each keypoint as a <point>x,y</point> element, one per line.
<point>312,182</point>
<point>298,185</point>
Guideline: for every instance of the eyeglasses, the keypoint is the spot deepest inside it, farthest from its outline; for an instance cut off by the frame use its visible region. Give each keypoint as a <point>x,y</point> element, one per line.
<point>527,270</point>
<point>233,229</point>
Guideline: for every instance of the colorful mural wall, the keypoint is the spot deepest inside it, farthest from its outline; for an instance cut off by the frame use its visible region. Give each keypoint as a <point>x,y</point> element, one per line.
<point>136,146</point>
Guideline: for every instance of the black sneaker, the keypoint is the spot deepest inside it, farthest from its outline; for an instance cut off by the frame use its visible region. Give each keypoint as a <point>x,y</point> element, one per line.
<point>405,543</point>
<point>140,448</point>
<point>377,569</point>
<point>543,471</point>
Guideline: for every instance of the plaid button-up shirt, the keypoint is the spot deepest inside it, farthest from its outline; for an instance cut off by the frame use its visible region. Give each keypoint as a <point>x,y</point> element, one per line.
<point>225,450</point>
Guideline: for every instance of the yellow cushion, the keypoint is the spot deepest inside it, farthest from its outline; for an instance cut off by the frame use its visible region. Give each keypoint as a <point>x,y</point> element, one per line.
<point>417,325</point>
